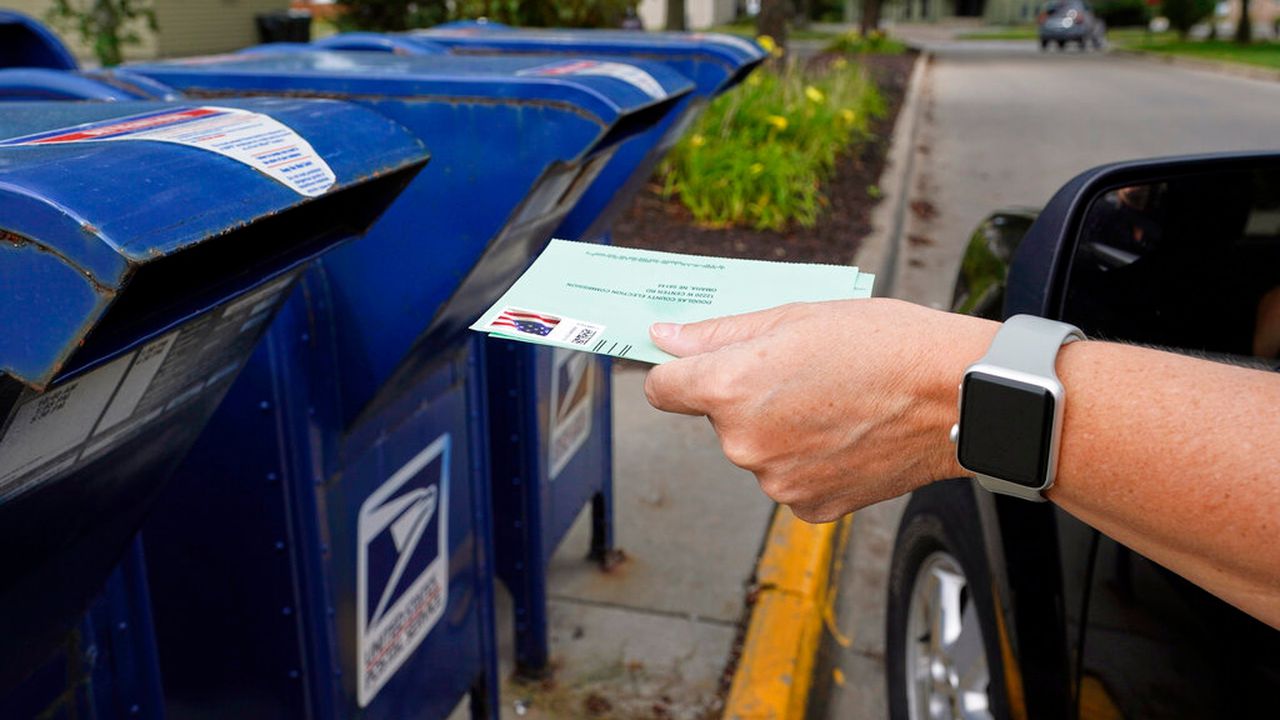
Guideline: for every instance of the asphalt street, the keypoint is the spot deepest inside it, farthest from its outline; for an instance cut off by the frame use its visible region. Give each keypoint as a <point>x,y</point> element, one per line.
<point>1002,125</point>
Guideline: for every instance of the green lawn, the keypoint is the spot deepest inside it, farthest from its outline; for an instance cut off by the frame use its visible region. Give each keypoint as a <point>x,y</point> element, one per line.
<point>749,30</point>
<point>1019,32</point>
<point>1262,54</point>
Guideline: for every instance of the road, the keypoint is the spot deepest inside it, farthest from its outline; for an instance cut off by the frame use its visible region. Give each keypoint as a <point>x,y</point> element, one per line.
<point>1001,125</point>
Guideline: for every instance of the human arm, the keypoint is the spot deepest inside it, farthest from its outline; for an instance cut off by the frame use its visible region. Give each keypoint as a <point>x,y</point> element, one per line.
<point>835,406</point>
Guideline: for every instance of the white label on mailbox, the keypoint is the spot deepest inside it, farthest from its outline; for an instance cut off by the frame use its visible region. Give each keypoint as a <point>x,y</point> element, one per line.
<point>402,566</point>
<point>741,43</point>
<point>629,74</point>
<point>572,386</point>
<point>57,421</point>
<point>135,384</point>
<point>259,141</point>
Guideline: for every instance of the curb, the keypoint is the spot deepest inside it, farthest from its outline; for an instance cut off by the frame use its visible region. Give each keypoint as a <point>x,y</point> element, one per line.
<point>879,250</point>
<point>1221,67</point>
<point>775,673</point>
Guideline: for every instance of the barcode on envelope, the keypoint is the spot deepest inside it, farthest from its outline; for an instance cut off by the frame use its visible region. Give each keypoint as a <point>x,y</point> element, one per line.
<point>582,334</point>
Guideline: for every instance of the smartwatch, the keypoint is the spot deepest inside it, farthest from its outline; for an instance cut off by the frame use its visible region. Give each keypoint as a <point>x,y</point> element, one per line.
<point>1011,405</point>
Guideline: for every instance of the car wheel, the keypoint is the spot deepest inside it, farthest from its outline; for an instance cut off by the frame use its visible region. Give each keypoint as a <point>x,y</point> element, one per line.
<point>942,655</point>
<point>1044,45</point>
<point>1083,44</point>
<point>1062,44</point>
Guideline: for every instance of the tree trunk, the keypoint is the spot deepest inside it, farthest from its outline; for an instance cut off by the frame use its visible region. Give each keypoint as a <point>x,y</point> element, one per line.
<point>772,20</point>
<point>1244,28</point>
<point>675,15</point>
<point>870,16</point>
<point>801,19</point>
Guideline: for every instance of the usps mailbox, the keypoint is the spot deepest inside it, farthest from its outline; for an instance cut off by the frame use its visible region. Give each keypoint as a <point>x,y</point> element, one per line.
<point>144,248</point>
<point>362,485</point>
<point>551,411</point>
<point>26,43</point>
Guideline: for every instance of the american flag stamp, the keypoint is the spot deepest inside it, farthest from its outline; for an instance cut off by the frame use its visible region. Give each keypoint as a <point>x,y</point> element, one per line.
<point>554,328</point>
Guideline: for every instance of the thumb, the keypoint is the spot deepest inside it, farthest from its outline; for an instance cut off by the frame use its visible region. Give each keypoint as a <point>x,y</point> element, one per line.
<point>710,335</point>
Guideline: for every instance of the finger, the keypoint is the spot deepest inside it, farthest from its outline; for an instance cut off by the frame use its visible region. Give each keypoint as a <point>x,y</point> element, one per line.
<point>674,386</point>
<point>709,335</point>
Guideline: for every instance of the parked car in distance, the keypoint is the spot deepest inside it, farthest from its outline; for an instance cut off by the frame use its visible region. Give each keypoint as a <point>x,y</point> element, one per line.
<point>1064,21</point>
<point>1001,608</point>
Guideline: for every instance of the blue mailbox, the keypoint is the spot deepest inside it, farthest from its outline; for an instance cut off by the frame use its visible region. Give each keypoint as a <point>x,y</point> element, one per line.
<point>144,247</point>
<point>362,482</point>
<point>715,62</point>
<point>554,454</point>
<point>553,446</point>
<point>26,43</point>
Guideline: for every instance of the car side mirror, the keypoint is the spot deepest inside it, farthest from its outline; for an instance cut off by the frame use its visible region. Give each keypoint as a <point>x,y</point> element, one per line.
<point>1179,253</point>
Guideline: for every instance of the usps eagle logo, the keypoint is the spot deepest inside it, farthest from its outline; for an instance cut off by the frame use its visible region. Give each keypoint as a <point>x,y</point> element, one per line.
<point>529,323</point>
<point>402,565</point>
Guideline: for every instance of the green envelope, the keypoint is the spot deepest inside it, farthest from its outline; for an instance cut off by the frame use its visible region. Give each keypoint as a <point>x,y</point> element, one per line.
<point>602,299</point>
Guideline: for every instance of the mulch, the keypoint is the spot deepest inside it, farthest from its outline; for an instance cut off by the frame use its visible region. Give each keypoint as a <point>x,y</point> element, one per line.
<point>657,224</point>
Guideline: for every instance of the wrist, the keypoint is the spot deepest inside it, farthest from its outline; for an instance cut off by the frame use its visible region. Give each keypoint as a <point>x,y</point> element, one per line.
<point>964,342</point>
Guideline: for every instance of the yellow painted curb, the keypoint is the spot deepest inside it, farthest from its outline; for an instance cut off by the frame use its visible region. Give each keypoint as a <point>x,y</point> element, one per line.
<point>775,672</point>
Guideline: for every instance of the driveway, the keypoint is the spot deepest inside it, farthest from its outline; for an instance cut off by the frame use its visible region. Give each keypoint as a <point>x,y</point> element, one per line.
<point>1002,124</point>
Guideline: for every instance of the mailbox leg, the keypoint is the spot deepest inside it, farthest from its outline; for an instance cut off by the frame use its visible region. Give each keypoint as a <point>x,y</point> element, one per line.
<point>603,549</point>
<point>533,654</point>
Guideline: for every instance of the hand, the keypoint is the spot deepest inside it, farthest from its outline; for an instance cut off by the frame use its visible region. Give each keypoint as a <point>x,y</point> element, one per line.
<point>834,406</point>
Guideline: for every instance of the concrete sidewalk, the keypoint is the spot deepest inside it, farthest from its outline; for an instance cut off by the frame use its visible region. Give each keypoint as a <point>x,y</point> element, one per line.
<point>652,637</point>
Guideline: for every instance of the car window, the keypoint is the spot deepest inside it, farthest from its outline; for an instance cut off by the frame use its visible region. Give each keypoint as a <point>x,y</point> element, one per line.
<point>1191,263</point>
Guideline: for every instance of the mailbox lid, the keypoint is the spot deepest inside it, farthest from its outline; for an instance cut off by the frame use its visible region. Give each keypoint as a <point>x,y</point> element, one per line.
<point>90,206</point>
<point>715,61</point>
<point>43,85</point>
<point>26,43</point>
<point>604,89</point>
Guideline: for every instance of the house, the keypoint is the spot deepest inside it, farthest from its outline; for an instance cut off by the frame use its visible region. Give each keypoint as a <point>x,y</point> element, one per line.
<point>699,14</point>
<point>186,27</point>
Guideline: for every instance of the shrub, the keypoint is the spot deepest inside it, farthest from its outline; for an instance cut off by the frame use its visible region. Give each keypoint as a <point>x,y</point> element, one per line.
<point>758,155</point>
<point>873,43</point>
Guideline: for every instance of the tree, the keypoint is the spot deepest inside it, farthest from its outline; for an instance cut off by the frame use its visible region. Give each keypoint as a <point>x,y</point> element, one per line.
<point>870,21</point>
<point>772,20</point>
<point>390,15</point>
<point>675,15</point>
<point>105,25</point>
<point>1244,28</point>
<point>1184,14</point>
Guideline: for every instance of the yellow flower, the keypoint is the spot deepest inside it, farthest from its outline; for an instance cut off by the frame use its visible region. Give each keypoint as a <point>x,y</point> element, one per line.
<point>697,141</point>
<point>754,79</point>
<point>847,115</point>
<point>768,43</point>
<point>757,168</point>
<point>840,63</point>
<point>777,121</point>
<point>814,94</point>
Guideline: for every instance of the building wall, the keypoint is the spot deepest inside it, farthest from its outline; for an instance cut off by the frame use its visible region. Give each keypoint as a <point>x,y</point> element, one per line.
<point>187,27</point>
<point>196,27</point>
<point>699,14</point>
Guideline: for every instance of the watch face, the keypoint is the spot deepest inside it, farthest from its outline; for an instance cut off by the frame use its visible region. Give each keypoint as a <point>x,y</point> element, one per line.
<point>1006,428</point>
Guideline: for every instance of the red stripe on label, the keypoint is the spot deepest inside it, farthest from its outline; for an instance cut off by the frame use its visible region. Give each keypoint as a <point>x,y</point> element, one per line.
<point>129,126</point>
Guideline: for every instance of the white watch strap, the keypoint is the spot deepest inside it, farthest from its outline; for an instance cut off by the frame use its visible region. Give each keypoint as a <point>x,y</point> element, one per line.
<point>1031,344</point>
<point>1028,344</point>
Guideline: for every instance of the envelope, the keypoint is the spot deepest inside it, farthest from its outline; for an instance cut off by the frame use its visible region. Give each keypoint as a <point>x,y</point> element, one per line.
<point>602,299</point>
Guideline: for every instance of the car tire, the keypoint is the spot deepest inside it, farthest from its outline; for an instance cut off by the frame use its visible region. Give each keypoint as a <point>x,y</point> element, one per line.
<point>939,544</point>
<point>1044,45</point>
<point>1062,44</point>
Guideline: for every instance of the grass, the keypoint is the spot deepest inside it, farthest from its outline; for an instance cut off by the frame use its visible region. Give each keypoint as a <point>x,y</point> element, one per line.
<point>748,29</point>
<point>873,43</point>
<point>1016,32</point>
<point>1261,53</point>
<point>759,155</point>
